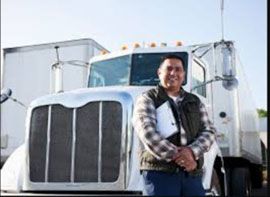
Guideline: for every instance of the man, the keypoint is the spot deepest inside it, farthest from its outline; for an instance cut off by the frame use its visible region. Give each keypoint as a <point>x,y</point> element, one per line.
<point>171,162</point>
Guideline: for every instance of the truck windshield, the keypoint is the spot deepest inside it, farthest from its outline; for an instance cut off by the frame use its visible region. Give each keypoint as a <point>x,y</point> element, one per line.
<point>110,72</point>
<point>136,69</point>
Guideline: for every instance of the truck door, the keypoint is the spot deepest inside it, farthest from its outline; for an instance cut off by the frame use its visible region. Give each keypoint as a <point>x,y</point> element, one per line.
<point>199,75</point>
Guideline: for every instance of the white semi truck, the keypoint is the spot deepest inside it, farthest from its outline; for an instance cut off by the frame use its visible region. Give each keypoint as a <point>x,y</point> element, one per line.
<point>82,141</point>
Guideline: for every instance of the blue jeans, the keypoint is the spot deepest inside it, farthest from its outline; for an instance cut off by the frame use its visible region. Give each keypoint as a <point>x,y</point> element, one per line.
<point>157,183</point>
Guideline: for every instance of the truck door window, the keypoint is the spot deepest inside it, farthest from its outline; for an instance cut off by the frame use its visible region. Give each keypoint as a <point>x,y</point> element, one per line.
<point>110,72</point>
<point>198,77</point>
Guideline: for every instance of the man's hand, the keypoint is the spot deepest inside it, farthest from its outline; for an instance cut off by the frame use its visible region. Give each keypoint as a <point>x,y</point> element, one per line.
<point>184,158</point>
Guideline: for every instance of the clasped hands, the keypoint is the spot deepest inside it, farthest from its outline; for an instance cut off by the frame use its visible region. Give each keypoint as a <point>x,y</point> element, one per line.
<point>184,158</point>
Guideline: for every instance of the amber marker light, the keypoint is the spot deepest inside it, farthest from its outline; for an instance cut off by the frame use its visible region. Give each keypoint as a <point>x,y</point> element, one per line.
<point>124,47</point>
<point>179,43</point>
<point>153,44</point>
<point>103,52</point>
<point>136,45</point>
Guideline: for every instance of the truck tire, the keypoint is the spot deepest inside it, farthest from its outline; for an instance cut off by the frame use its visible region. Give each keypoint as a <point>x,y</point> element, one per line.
<point>240,182</point>
<point>256,173</point>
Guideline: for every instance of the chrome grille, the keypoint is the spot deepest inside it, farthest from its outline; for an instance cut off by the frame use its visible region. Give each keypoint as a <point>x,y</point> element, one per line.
<point>76,144</point>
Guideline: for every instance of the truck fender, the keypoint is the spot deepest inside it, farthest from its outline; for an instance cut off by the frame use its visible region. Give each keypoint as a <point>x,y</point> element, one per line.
<point>208,166</point>
<point>12,171</point>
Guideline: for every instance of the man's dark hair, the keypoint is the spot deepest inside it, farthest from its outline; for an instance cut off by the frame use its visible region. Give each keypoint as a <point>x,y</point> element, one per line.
<point>171,56</point>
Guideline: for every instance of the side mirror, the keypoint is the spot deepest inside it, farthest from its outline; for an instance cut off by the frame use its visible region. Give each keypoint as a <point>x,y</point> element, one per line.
<point>5,94</point>
<point>230,83</point>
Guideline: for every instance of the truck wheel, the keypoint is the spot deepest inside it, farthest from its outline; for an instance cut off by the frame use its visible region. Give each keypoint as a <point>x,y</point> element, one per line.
<point>240,182</point>
<point>256,173</point>
<point>215,184</point>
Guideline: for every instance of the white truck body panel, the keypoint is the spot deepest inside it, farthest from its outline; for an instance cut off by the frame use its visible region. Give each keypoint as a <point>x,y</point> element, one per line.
<point>12,172</point>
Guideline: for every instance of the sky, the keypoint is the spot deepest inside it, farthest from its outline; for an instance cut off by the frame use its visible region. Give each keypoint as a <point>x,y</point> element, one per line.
<point>113,23</point>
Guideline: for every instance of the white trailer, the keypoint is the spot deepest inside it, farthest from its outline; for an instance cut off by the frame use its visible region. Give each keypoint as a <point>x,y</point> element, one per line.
<point>31,72</point>
<point>83,140</point>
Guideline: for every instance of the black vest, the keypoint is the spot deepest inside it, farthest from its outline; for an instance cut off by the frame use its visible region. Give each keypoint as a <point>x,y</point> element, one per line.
<point>190,118</point>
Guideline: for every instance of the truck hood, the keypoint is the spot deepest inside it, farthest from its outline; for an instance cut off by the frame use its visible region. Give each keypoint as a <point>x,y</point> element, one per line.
<point>79,97</point>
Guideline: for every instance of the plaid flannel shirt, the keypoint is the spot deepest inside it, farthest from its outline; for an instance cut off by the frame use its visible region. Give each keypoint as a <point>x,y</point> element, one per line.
<point>144,123</point>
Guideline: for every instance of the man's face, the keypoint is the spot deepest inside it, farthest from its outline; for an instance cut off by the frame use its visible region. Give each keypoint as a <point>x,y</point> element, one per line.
<point>171,74</point>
